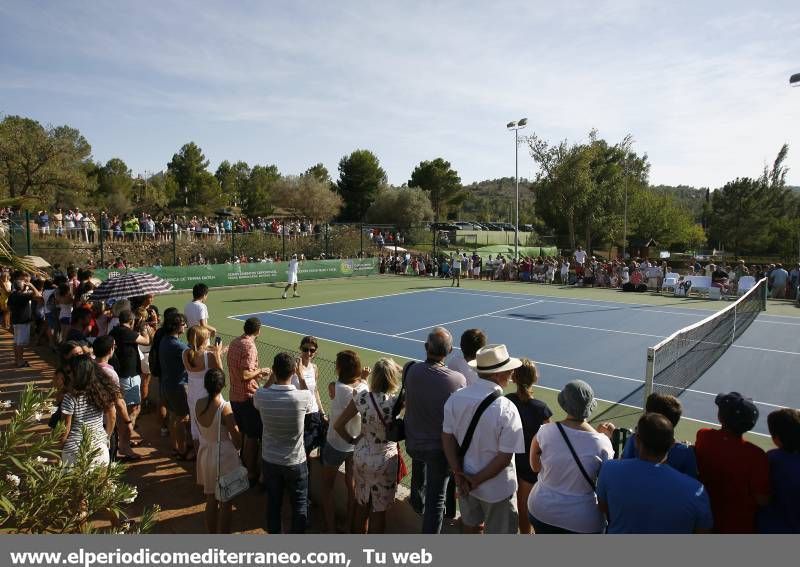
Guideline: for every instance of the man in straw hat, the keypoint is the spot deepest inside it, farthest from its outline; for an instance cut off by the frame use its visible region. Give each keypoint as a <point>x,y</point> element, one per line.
<point>483,464</point>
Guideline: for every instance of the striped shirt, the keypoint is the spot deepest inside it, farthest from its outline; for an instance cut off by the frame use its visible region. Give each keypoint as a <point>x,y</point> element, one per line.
<point>283,410</point>
<point>83,413</point>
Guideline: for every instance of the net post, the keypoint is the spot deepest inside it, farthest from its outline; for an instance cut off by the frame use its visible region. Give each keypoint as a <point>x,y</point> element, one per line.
<point>649,374</point>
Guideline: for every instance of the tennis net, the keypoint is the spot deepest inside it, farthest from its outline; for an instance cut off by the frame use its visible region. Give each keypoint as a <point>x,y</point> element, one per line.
<point>678,361</point>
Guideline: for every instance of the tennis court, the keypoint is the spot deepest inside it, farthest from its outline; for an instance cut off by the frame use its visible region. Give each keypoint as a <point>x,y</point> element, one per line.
<point>602,342</point>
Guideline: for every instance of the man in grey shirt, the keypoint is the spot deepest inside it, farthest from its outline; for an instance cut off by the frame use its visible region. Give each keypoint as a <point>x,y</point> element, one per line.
<point>283,410</point>
<point>778,279</point>
<point>428,386</point>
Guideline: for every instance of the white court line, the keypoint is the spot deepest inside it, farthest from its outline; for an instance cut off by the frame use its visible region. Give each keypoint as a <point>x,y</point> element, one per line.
<point>537,361</point>
<point>337,325</point>
<point>491,313</point>
<point>245,315</point>
<point>402,356</point>
<point>620,305</point>
<point>575,326</point>
<point>600,329</point>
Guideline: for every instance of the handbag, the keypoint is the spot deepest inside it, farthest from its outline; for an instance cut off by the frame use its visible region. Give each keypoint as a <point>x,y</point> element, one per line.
<point>396,430</point>
<point>235,482</point>
<point>575,456</point>
<point>402,469</point>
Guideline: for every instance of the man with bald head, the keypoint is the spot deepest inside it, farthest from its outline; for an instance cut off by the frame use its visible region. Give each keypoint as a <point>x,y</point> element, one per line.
<point>428,386</point>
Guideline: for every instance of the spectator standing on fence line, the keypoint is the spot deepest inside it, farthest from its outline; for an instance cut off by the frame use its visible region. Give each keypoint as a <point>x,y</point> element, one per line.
<point>282,409</point>
<point>338,450</point>
<point>173,385</point>
<point>196,311</point>
<point>644,495</point>
<point>735,472</point>
<point>782,514</point>
<point>680,456</point>
<point>485,474</point>
<point>428,386</point>
<point>472,340</point>
<point>244,373</point>
<point>217,454</point>
<point>533,413</point>
<point>567,455</point>
<point>375,459</point>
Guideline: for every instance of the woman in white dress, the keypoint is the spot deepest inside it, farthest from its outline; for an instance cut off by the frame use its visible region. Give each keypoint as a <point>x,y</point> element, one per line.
<point>215,420</point>
<point>564,271</point>
<point>198,359</point>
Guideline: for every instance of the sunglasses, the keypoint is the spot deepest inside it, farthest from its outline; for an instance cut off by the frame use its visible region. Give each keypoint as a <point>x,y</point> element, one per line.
<point>311,350</point>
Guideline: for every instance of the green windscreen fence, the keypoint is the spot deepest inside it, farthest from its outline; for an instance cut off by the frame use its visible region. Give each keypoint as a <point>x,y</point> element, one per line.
<point>217,275</point>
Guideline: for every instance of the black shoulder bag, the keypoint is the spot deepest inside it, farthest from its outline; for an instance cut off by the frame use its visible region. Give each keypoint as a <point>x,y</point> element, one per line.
<point>465,443</point>
<point>396,429</point>
<point>575,456</point>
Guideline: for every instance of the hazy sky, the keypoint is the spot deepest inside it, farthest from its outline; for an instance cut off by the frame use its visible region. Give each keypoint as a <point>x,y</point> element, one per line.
<point>701,86</point>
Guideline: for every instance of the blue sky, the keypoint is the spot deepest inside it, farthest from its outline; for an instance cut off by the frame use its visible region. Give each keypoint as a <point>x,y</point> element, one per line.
<point>701,86</point>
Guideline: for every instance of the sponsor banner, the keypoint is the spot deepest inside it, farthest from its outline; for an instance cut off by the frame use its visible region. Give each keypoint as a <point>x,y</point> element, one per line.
<point>218,275</point>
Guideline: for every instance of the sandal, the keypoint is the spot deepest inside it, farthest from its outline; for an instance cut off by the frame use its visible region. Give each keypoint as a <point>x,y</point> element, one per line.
<point>137,443</point>
<point>122,458</point>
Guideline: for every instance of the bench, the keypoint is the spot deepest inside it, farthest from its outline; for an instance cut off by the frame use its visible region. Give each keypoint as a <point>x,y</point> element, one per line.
<point>700,284</point>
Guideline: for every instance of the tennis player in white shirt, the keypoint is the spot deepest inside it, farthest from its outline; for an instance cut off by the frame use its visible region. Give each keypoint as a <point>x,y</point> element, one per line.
<point>294,265</point>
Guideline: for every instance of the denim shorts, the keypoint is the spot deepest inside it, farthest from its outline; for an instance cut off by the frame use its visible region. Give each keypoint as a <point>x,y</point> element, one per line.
<point>131,387</point>
<point>333,457</point>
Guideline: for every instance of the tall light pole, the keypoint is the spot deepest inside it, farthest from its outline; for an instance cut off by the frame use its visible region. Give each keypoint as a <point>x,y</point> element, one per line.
<point>625,216</point>
<point>516,125</point>
<point>794,81</point>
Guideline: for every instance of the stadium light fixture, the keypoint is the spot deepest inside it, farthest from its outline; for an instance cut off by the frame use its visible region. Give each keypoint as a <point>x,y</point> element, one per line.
<point>516,126</point>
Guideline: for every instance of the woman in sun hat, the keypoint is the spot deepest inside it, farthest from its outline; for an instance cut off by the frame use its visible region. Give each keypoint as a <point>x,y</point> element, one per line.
<point>567,456</point>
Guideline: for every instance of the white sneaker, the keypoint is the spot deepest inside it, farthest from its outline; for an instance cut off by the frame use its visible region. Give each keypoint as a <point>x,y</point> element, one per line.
<point>284,296</point>
<point>295,295</point>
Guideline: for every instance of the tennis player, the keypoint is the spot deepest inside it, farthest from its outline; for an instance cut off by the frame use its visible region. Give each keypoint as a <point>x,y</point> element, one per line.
<point>294,265</point>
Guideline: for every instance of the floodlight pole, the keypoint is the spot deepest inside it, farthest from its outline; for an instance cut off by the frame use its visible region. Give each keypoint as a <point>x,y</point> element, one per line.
<point>516,125</point>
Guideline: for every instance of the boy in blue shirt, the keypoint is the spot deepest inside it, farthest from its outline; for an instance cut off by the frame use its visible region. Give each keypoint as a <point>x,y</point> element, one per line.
<point>681,456</point>
<point>644,495</point>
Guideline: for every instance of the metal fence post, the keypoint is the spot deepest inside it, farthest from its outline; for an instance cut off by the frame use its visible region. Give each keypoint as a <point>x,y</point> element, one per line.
<point>102,244</point>
<point>28,231</point>
<point>283,239</point>
<point>361,230</point>
<point>174,243</point>
<point>233,243</point>
<point>327,239</point>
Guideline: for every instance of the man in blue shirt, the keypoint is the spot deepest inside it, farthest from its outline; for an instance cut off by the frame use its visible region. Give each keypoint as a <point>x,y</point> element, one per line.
<point>645,495</point>
<point>173,384</point>
<point>681,456</point>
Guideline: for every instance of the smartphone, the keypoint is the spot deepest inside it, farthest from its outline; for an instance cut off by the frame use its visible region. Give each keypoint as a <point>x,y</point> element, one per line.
<point>218,341</point>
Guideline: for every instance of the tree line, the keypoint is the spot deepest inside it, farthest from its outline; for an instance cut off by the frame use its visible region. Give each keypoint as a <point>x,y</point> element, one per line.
<point>592,192</point>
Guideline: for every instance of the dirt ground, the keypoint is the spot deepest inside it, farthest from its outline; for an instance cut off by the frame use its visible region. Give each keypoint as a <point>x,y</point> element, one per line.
<point>159,478</point>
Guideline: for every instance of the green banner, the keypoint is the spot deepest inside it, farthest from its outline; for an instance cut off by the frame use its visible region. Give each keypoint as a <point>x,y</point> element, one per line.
<point>217,275</point>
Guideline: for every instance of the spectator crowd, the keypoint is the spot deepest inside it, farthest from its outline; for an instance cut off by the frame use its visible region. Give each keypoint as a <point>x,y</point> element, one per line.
<point>503,461</point>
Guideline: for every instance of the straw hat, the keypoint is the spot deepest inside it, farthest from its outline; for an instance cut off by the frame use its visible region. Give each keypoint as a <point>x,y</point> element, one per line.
<point>492,359</point>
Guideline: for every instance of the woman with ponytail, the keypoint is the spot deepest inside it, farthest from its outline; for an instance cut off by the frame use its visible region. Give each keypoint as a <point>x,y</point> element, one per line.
<point>213,459</point>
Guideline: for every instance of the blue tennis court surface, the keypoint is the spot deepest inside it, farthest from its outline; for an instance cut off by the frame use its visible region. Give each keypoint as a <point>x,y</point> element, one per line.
<point>602,342</point>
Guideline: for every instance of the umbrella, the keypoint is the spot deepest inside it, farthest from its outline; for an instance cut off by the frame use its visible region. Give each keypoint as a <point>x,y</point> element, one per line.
<point>132,284</point>
<point>37,261</point>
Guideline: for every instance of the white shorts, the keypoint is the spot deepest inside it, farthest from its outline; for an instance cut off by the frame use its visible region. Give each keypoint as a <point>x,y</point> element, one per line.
<point>22,334</point>
<point>292,279</point>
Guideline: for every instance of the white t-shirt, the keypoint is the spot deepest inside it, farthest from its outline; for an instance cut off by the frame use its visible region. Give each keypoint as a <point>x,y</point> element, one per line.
<point>344,394</point>
<point>310,377</point>
<point>459,364</point>
<point>580,256</point>
<point>195,311</point>
<point>561,496</point>
<point>293,265</point>
<point>499,430</point>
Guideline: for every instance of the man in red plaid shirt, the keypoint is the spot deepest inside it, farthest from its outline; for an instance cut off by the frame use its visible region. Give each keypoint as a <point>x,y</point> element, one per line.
<point>244,374</point>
